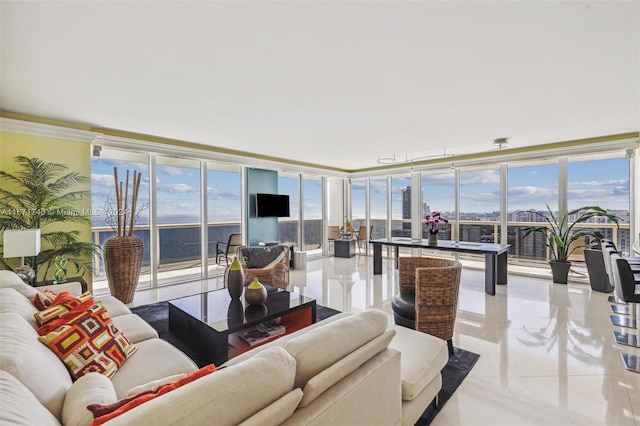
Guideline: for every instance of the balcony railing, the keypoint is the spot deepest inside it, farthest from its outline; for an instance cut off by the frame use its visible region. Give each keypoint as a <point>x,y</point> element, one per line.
<point>179,244</point>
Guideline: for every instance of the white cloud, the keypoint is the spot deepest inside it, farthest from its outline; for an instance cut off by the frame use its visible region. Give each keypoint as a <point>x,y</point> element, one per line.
<point>172,171</point>
<point>221,194</point>
<point>378,186</point>
<point>613,182</point>
<point>483,176</point>
<point>438,180</point>
<point>102,179</point>
<point>176,187</point>
<point>538,192</point>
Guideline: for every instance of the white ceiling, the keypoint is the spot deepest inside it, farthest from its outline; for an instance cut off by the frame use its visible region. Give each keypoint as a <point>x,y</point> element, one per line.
<point>331,83</point>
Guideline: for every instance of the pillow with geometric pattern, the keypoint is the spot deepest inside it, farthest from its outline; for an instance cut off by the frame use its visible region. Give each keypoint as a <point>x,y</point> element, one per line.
<point>62,304</point>
<point>44,300</point>
<point>90,342</point>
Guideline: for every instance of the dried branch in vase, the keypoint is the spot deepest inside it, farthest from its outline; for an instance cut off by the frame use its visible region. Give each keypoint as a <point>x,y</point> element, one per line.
<point>125,210</point>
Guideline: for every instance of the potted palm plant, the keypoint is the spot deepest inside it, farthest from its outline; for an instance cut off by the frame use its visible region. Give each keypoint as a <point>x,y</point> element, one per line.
<point>47,196</point>
<point>560,235</point>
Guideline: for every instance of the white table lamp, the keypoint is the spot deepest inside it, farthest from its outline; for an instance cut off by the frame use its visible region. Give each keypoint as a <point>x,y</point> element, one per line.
<point>22,243</point>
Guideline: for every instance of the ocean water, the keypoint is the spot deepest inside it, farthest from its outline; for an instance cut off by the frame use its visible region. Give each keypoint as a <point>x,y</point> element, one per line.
<point>181,244</point>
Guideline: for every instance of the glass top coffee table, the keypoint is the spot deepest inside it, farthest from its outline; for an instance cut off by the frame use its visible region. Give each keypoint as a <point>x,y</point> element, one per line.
<point>218,329</point>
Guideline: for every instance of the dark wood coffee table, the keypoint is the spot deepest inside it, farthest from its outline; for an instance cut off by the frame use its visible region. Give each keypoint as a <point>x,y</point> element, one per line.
<point>211,324</point>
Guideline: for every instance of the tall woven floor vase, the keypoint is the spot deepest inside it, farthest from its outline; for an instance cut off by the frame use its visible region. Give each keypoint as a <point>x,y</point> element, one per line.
<point>122,262</point>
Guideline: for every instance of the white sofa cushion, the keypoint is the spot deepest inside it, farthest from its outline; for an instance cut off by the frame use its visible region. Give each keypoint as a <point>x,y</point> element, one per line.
<point>12,301</point>
<point>32,363</point>
<point>423,357</point>
<point>92,388</point>
<point>343,367</point>
<point>226,397</point>
<point>323,346</point>
<point>154,359</point>
<point>114,306</point>
<point>135,328</point>
<point>276,413</point>
<point>20,406</point>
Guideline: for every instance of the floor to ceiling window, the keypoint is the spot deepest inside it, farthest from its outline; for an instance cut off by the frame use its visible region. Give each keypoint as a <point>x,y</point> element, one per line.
<point>289,227</point>
<point>480,205</point>
<point>178,208</point>
<point>103,206</point>
<point>312,210</point>
<point>224,209</point>
<point>378,194</point>
<point>530,187</point>
<point>401,206</point>
<point>438,195</point>
<point>358,203</point>
<point>602,180</point>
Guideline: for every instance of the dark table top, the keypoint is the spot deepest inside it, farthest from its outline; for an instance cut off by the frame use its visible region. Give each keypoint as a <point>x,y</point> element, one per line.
<point>447,245</point>
<point>216,309</point>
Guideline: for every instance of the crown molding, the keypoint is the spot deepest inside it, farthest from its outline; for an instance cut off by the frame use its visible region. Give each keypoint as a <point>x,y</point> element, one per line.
<point>246,160</point>
<point>46,130</point>
<point>535,152</point>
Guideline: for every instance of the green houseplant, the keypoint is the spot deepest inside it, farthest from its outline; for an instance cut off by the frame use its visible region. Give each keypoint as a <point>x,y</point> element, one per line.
<point>560,235</point>
<point>43,195</point>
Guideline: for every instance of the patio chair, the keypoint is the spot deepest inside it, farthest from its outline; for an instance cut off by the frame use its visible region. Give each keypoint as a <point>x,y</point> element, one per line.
<point>223,249</point>
<point>362,236</point>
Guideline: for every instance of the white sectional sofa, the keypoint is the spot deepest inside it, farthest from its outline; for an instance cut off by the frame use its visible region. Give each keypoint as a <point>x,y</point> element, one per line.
<point>354,369</point>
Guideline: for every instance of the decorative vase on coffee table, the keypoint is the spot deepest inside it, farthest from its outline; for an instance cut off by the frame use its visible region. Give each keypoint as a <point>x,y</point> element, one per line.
<point>255,293</point>
<point>235,279</point>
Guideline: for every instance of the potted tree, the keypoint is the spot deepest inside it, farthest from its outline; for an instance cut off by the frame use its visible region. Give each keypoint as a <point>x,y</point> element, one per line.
<point>47,196</point>
<point>560,235</point>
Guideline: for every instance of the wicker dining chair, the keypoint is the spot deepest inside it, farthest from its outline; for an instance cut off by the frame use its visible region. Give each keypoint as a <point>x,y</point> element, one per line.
<point>428,298</point>
<point>276,274</point>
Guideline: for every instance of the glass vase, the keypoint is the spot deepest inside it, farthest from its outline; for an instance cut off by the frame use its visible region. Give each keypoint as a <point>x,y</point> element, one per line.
<point>60,272</point>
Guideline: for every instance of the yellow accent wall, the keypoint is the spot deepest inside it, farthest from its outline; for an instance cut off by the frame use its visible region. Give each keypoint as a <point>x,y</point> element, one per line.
<point>76,155</point>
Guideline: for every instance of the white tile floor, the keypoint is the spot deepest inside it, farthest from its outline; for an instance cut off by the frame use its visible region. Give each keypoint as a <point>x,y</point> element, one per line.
<point>547,351</point>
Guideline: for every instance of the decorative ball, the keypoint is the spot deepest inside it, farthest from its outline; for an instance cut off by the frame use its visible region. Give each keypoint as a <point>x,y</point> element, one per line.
<point>255,293</point>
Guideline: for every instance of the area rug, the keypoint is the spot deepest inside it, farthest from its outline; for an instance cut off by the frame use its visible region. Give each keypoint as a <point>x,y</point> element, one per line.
<point>459,365</point>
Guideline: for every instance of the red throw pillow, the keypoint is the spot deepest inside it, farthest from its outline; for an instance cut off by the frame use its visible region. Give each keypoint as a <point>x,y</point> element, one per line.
<point>103,413</point>
<point>45,299</point>
<point>66,317</point>
<point>62,304</point>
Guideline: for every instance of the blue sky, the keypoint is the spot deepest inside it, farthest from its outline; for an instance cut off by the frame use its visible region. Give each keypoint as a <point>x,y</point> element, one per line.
<point>599,182</point>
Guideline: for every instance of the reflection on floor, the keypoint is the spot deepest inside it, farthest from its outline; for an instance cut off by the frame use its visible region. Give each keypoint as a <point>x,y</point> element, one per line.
<point>547,350</point>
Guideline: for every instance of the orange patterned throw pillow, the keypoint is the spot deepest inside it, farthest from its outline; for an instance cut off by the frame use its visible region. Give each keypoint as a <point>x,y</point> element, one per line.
<point>89,342</point>
<point>104,413</point>
<point>63,303</point>
<point>45,299</point>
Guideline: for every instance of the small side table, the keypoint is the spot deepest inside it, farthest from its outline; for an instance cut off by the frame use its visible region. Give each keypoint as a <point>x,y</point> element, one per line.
<point>344,248</point>
<point>80,280</point>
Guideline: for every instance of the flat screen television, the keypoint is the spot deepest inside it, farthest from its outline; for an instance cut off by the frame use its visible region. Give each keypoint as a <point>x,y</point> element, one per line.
<point>272,205</point>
